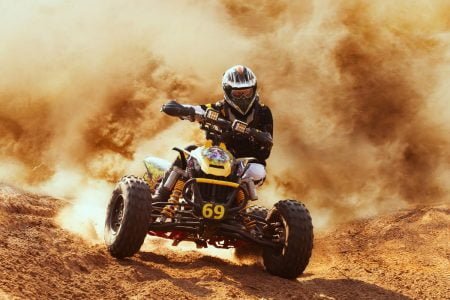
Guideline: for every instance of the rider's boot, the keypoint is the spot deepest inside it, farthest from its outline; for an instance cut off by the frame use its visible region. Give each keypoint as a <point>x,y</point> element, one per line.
<point>162,193</point>
<point>169,190</point>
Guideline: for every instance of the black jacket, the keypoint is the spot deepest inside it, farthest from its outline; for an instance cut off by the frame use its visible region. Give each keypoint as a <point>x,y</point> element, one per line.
<point>260,117</point>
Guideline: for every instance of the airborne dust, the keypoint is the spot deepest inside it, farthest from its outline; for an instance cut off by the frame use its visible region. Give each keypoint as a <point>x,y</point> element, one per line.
<point>359,91</point>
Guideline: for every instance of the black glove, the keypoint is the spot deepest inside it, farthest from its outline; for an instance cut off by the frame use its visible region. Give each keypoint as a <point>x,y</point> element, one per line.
<point>175,109</point>
<point>261,137</point>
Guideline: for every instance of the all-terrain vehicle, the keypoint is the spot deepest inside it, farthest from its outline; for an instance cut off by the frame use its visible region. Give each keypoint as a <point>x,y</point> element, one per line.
<point>209,203</point>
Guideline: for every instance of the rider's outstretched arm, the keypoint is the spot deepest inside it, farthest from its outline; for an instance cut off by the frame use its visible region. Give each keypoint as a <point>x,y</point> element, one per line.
<point>266,126</point>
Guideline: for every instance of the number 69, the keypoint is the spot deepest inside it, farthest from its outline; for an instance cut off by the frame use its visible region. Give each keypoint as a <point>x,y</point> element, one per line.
<point>211,211</point>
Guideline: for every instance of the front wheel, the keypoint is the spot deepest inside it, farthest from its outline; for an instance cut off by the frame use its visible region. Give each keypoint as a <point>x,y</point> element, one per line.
<point>127,217</point>
<point>292,226</point>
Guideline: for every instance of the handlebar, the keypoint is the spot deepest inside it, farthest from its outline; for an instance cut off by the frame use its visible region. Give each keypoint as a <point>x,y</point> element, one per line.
<point>175,109</point>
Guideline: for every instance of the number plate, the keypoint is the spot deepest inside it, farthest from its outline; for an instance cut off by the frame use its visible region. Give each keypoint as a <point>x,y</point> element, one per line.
<point>213,211</point>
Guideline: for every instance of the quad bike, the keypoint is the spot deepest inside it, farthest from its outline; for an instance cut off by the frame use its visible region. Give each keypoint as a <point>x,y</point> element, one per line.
<point>209,203</point>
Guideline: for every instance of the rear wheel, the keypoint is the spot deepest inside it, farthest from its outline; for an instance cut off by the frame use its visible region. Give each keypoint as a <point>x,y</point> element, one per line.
<point>127,217</point>
<point>293,225</point>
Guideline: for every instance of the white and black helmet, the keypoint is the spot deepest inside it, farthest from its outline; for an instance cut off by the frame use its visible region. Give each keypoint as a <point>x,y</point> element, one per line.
<point>239,86</point>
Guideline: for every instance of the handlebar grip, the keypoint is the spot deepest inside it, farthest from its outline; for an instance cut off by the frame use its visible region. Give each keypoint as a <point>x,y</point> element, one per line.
<point>175,109</point>
<point>264,138</point>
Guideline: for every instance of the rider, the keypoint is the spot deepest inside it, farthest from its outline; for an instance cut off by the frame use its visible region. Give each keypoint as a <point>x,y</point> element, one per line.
<point>241,102</point>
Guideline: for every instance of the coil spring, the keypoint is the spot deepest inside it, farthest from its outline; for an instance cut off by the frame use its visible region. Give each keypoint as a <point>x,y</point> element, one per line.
<point>240,196</point>
<point>248,223</point>
<point>169,210</point>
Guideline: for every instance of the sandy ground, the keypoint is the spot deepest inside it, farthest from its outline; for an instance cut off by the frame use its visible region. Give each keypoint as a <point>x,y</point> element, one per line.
<point>401,255</point>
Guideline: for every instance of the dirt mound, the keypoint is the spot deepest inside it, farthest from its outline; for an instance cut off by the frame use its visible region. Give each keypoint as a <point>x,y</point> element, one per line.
<point>405,254</point>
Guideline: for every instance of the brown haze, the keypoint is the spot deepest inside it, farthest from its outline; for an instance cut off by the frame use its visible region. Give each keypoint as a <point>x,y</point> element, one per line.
<point>359,91</point>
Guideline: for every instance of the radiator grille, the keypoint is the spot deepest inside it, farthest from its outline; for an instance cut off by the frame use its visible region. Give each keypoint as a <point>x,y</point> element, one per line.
<point>214,193</point>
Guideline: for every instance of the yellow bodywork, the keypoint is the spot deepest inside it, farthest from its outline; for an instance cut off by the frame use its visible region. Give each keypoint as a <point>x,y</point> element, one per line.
<point>218,182</point>
<point>214,160</point>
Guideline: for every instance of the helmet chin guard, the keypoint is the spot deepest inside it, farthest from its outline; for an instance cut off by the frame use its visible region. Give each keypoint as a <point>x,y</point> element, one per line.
<point>239,86</point>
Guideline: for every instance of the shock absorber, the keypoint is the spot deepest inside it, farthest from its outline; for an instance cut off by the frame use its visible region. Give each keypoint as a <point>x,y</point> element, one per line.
<point>174,200</point>
<point>240,197</point>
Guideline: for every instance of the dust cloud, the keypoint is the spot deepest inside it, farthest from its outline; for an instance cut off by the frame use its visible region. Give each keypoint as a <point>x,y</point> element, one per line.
<point>363,88</point>
<point>359,92</point>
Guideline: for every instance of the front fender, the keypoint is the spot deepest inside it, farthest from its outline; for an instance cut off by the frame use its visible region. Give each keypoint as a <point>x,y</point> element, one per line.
<point>156,167</point>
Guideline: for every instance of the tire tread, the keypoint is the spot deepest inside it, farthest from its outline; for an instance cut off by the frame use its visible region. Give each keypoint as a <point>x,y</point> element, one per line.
<point>136,194</point>
<point>300,241</point>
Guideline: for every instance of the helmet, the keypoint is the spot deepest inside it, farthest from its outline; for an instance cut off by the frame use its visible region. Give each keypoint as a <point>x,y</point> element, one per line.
<point>239,86</point>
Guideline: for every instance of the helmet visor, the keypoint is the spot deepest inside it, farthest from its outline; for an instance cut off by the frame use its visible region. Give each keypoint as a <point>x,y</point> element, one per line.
<point>242,98</point>
<point>242,93</point>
